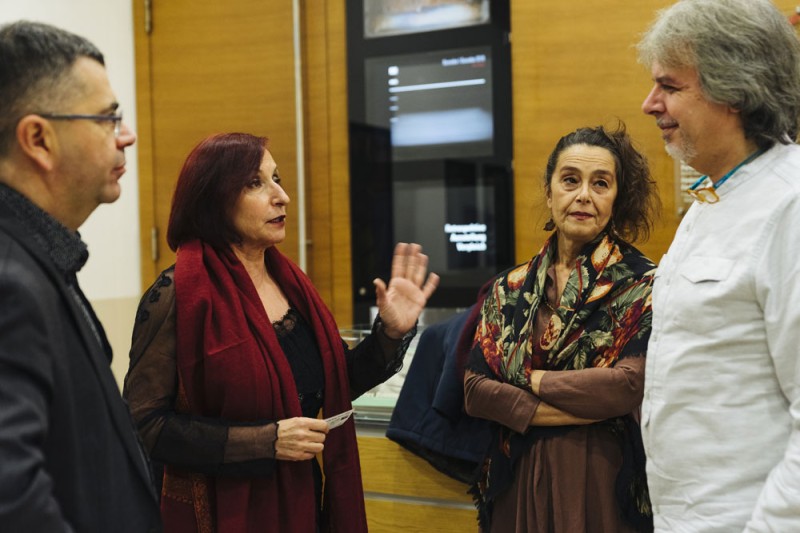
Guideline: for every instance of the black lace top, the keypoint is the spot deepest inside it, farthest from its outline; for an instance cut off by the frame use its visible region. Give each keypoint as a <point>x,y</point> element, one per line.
<point>220,447</point>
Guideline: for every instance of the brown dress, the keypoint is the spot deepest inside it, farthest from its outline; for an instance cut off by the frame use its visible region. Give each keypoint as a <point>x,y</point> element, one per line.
<point>565,483</point>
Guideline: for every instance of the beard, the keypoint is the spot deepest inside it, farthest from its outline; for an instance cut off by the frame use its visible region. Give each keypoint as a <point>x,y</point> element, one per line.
<point>684,151</point>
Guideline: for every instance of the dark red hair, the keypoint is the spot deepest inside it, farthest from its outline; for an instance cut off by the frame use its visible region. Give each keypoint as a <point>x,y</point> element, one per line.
<point>208,186</point>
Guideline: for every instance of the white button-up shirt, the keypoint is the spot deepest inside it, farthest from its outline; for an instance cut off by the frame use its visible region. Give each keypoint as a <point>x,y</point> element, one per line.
<point>721,411</point>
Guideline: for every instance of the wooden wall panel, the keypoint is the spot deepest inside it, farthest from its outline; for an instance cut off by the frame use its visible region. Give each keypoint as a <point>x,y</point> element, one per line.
<point>340,164</point>
<point>144,143</point>
<point>405,493</point>
<point>327,158</point>
<point>317,140</point>
<point>210,67</point>
<point>389,468</point>
<point>392,516</point>
<point>574,64</point>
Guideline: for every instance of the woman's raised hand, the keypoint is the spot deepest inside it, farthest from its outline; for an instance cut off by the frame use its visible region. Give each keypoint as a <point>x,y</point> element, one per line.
<point>410,286</point>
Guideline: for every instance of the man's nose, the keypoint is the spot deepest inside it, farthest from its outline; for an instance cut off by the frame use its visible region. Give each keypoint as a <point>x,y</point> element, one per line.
<point>652,103</point>
<point>126,136</point>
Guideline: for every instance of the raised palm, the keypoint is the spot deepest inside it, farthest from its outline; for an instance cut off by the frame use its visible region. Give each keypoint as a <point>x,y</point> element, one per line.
<point>409,289</point>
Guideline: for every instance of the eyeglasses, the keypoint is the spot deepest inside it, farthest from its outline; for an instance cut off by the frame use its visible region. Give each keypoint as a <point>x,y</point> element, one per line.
<point>704,195</point>
<point>116,118</point>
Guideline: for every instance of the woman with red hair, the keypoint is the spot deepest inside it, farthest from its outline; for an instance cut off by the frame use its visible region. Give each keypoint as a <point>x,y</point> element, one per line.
<point>236,361</point>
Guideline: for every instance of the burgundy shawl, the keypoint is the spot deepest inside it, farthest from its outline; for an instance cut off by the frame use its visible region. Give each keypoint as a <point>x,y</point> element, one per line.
<point>231,367</point>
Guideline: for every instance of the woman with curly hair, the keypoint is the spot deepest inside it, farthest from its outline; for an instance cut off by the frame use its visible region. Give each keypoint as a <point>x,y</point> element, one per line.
<point>558,355</point>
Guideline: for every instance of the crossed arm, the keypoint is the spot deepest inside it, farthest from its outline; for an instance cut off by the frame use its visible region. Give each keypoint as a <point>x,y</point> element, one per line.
<point>556,398</point>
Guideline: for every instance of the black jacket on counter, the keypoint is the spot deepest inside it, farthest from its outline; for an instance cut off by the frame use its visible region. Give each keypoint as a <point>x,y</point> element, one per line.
<point>429,418</point>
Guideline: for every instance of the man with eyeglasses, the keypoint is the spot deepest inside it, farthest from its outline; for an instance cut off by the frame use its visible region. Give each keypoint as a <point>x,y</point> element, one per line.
<point>70,460</point>
<point>721,410</point>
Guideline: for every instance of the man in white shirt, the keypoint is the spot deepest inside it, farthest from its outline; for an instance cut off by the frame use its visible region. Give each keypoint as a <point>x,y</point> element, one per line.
<point>721,411</point>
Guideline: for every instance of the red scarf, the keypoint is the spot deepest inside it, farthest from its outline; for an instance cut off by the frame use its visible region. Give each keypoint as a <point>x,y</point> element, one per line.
<point>231,366</point>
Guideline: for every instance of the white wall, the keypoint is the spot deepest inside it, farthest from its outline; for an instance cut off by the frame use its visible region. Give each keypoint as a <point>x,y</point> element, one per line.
<point>112,232</point>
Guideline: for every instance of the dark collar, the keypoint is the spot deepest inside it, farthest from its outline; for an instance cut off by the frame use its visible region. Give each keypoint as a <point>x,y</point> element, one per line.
<point>63,246</point>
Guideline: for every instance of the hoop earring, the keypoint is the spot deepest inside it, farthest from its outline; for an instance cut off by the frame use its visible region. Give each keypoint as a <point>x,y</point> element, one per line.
<point>550,225</point>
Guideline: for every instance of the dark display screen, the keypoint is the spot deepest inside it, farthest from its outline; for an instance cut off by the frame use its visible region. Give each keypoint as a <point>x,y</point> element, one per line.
<point>430,139</point>
<point>434,104</point>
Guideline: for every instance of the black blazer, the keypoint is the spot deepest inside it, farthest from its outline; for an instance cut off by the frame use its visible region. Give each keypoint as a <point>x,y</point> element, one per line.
<point>70,459</point>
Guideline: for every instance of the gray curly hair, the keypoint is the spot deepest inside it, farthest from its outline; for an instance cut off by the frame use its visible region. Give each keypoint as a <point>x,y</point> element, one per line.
<point>747,56</point>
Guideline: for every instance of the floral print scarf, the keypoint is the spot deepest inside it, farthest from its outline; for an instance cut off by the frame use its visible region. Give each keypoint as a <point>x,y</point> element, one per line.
<point>604,315</point>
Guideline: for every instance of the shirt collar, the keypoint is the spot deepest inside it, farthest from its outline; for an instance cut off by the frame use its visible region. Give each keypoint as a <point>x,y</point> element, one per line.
<point>753,168</point>
<point>64,247</point>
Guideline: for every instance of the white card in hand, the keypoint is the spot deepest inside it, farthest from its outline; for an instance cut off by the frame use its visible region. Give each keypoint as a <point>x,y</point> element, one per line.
<point>337,420</point>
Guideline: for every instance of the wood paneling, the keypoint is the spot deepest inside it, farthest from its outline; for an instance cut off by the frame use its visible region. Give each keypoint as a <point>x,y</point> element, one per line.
<point>340,164</point>
<point>391,517</point>
<point>211,67</point>
<point>221,66</point>
<point>144,143</point>
<point>317,139</point>
<point>389,469</point>
<point>327,159</point>
<point>574,64</point>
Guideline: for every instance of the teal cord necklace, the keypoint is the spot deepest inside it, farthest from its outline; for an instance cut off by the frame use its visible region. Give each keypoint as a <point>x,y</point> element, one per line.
<point>709,194</point>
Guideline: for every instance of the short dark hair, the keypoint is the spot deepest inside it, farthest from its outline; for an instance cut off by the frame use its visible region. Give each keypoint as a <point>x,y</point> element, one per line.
<point>637,202</point>
<point>208,186</point>
<point>35,65</point>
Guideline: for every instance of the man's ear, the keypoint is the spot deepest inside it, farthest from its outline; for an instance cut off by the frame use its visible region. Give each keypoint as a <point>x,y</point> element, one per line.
<point>37,140</point>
